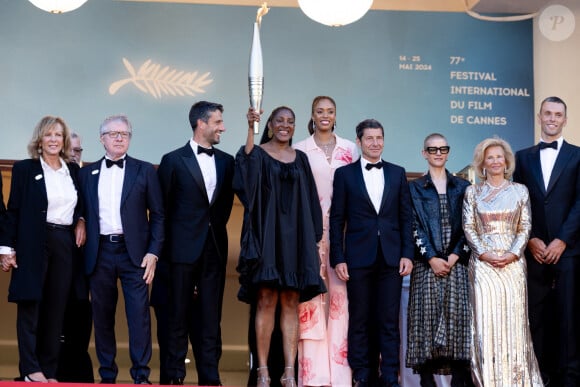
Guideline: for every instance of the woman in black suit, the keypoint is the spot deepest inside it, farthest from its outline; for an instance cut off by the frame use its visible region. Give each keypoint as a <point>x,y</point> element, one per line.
<point>42,229</point>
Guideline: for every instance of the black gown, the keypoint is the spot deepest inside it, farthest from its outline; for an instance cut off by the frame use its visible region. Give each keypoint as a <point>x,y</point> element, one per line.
<point>282,224</point>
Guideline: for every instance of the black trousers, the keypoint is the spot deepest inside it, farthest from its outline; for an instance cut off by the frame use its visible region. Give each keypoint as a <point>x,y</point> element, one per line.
<point>196,296</point>
<point>554,312</point>
<point>373,327</point>
<point>75,364</point>
<point>114,264</point>
<point>39,323</point>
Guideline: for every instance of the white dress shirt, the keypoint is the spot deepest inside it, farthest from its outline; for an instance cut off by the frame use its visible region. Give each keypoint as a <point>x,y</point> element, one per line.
<point>208,170</point>
<point>548,159</point>
<point>374,182</point>
<point>110,191</point>
<point>60,192</point>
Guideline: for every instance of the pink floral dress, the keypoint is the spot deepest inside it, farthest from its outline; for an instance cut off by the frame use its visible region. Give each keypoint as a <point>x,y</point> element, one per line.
<point>323,321</point>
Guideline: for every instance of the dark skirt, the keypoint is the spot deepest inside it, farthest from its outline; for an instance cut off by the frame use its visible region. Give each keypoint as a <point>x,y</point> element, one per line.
<point>439,319</point>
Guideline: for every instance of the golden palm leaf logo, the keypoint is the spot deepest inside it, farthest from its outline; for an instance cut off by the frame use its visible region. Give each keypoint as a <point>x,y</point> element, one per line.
<point>154,79</point>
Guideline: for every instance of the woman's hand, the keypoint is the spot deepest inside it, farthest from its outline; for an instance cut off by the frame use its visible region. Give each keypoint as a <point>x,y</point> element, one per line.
<point>439,266</point>
<point>322,258</point>
<point>506,259</point>
<point>253,116</point>
<point>498,261</point>
<point>8,261</point>
<point>452,260</point>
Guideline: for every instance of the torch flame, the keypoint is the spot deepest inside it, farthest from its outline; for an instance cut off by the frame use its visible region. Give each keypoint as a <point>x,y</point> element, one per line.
<point>261,12</point>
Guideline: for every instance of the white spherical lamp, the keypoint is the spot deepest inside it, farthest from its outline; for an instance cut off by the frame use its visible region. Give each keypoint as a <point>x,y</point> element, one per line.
<point>58,6</point>
<point>335,13</point>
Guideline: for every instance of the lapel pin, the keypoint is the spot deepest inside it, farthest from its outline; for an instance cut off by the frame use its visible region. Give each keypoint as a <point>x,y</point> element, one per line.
<point>94,172</point>
<point>38,177</point>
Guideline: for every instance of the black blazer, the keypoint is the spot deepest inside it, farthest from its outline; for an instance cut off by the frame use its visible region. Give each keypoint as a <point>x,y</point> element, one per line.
<point>555,211</point>
<point>188,210</point>
<point>26,227</point>
<point>427,219</point>
<point>355,225</point>
<point>141,211</point>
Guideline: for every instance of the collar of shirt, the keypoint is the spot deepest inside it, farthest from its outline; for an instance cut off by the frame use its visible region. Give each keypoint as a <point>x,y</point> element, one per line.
<point>122,157</point>
<point>194,146</point>
<point>560,141</point>
<point>364,162</point>
<point>548,158</point>
<point>208,170</point>
<point>47,168</point>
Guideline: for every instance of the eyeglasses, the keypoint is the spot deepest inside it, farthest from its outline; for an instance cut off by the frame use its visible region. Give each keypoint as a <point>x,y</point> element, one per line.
<point>114,135</point>
<point>433,149</point>
<point>77,150</point>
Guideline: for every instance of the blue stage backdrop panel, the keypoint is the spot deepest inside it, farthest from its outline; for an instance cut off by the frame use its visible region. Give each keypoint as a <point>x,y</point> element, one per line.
<point>415,72</point>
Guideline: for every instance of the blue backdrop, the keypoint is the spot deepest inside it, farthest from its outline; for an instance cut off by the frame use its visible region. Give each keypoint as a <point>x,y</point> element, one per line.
<point>415,72</point>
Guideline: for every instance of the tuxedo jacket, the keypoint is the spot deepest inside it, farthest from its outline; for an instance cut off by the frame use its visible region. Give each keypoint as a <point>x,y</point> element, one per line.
<point>555,210</point>
<point>141,211</point>
<point>190,216</point>
<point>357,232</point>
<point>25,229</point>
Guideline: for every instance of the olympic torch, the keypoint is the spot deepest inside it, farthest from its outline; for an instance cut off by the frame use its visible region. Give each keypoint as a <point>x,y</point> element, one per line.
<point>256,67</point>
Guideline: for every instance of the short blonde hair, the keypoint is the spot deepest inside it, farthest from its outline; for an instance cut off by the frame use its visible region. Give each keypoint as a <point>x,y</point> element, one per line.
<point>44,125</point>
<point>479,155</point>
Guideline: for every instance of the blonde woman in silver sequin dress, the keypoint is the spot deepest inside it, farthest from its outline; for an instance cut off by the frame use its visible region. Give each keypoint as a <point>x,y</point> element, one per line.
<point>497,224</point>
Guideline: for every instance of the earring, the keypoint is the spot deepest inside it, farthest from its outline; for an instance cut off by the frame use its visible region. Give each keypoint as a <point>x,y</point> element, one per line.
<point>39,151</point>
<point>270,133</point>
<point>334,126</point>
<point>313,126</point>
<point>484,172</point>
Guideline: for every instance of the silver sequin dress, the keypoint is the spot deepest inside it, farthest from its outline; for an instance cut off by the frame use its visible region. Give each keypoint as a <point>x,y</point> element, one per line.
<point>499,220</point>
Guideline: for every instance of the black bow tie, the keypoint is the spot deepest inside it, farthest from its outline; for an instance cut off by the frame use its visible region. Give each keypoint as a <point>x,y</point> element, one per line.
<point>544,145</point>
<point>207,151</point>
<point>118,163</point>
<point>370,166</point>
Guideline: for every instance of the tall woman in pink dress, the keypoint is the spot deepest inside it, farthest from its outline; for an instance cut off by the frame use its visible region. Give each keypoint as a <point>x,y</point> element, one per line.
<point>323,320</point>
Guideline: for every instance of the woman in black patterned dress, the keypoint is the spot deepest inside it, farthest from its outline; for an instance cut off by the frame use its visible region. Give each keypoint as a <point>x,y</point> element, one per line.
<point>438,340</point>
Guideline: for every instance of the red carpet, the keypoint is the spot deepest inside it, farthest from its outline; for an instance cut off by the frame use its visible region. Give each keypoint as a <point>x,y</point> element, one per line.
<point>21,384</point>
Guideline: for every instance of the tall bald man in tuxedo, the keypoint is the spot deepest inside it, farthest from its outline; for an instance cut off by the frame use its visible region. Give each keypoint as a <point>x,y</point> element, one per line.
<point>551,171</point>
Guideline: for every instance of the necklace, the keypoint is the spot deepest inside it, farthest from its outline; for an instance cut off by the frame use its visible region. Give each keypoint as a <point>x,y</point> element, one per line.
<point>327,148</point>
<point>496,187</point>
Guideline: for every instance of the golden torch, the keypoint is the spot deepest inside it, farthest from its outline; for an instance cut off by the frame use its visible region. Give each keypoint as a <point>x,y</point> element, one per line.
<point>256,67</point>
